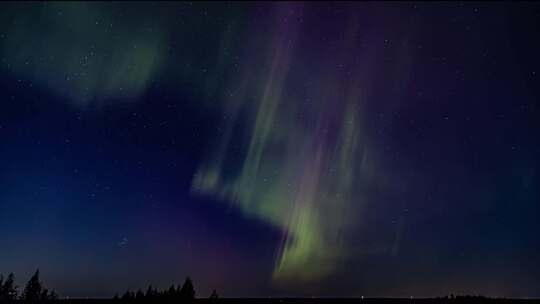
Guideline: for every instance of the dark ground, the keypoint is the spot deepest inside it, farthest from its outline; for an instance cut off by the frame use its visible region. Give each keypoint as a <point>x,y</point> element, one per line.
<point>322,300</point>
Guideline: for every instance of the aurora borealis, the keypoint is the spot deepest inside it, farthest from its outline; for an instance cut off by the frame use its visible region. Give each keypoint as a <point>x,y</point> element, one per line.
<point>271,149</point>
<point>304,149</point>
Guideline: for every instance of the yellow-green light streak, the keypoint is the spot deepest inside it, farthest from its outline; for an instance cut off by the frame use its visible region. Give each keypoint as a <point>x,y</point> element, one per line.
<point>299,170</point>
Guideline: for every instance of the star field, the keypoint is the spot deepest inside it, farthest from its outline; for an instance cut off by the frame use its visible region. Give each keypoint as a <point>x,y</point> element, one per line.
<point>271,149</point>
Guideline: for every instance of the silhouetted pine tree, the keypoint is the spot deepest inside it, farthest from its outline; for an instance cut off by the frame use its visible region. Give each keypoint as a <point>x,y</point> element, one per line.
<point>188,291</point>
<point>8,290</point>
<point>33,290</point>
<point>1,287</point>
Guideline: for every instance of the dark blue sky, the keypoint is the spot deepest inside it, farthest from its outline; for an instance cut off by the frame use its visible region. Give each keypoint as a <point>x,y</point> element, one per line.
<point>109,112</point>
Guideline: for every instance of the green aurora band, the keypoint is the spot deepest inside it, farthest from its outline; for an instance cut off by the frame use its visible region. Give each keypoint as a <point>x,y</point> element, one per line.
<point>306,154</point>
<point>308,159</point>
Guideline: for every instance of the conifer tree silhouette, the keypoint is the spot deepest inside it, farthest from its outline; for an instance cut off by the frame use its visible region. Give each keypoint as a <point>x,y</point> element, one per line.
<point>1,287</point>
<point>8,290</point>
<point>188,291</point>
<point>33,290</point>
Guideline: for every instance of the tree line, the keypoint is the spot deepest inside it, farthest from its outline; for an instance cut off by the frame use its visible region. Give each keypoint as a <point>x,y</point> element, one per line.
<point>184,293</point>
<point>34,291</point>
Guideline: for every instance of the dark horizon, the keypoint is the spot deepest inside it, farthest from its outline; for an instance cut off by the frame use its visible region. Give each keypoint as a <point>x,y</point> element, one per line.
<point>271,149</point>
<point>36,291</point>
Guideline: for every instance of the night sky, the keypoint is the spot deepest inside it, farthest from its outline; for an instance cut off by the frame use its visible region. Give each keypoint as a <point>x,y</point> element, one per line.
<point>271,149</point>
